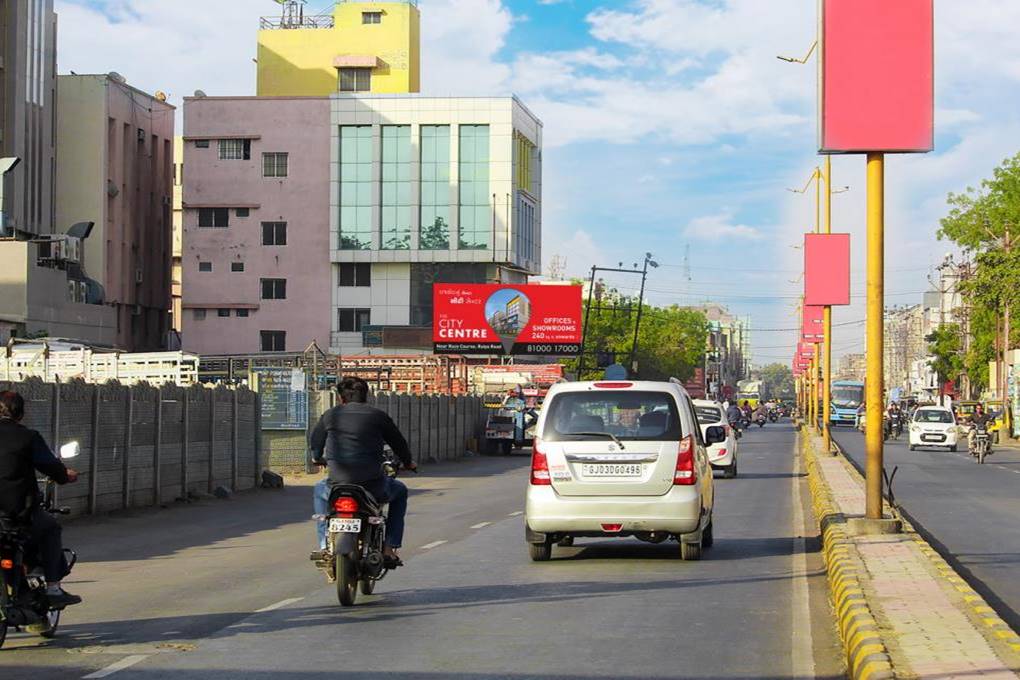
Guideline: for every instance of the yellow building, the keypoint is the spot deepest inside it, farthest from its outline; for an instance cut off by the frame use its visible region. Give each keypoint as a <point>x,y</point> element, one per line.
<point>360,47</point>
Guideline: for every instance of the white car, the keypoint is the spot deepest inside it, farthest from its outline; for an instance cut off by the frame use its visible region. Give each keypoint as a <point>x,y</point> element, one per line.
<point>722,455</point>
<point>620,458</point>
<point>934,426</point>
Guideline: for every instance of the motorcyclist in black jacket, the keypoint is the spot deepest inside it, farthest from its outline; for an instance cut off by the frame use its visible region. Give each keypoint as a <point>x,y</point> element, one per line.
<point>22,453</point>
<point>349,440</point>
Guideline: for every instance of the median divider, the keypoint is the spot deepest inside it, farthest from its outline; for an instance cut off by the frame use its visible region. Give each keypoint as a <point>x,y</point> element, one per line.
<point>901,609</point>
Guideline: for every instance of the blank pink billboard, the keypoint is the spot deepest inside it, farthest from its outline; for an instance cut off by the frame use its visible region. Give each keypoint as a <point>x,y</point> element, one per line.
<point>826,269</point>
<point>811,328</point>
<point>877,76</point>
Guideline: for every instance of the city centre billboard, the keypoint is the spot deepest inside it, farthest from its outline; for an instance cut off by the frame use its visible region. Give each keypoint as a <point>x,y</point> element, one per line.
<point>514,319</point>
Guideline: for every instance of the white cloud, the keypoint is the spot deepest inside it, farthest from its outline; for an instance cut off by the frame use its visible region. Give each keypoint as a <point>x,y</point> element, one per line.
<point>578,250</point>
<point>721,226</point>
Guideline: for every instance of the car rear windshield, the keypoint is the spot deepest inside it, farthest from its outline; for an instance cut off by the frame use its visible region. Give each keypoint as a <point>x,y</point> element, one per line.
<point>933,416</point>
<point>708,414</point>
<point>629,415</point>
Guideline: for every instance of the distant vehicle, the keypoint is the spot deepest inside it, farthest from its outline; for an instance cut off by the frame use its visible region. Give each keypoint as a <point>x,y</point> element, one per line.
<point>934,426</point>
<point>847,396</point>
<point>722,455</point>
<point>620,458</point>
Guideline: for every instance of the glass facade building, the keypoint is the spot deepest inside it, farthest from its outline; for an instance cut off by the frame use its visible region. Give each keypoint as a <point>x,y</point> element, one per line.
<point>435,187</point>
<point>356,187</point>
<point>395,200</point>
<point>476,218</point>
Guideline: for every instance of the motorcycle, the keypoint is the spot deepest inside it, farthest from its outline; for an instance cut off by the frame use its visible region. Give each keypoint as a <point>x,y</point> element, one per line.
<point>356,536</point>
<point>738,428</point>
<point>23,601</point>
<point>982,445</point>
<point>892,427</point>
<point>760,420</point>
<point>773,416</point>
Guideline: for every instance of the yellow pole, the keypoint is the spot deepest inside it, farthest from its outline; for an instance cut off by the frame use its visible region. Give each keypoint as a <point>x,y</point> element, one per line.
<point>875,304</point>
<point>814,387</point>
<point>827,325</point>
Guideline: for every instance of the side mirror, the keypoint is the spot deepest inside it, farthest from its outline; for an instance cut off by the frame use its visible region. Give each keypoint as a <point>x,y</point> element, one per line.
<point>715,435</point>
<point>70,450</point>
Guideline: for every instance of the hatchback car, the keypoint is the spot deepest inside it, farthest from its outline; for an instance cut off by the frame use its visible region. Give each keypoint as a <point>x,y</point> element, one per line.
<point>934,426</point>
<point>620,459</point>
<point>722,455</point>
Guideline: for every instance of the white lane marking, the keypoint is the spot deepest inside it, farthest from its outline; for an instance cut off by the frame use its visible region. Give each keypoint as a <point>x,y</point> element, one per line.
<point>126,662</point>
<point>515,514</point>
<point>480,525</point>
<point>278,605</point>
<point>803,654</point>
<point>433,544</point>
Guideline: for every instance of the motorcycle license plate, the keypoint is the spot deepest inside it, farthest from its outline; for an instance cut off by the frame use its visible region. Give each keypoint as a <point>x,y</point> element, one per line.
<point>338,525</point>
<point>611,469</point>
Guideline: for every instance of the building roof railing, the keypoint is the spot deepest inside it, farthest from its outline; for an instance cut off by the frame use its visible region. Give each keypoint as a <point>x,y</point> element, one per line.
<point>293,15</point>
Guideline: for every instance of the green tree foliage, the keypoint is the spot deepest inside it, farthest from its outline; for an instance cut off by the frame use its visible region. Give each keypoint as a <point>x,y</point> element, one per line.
<point>944,345</point>
<point>671,341</point>
<point>988,217</point>
<point>777,382</point>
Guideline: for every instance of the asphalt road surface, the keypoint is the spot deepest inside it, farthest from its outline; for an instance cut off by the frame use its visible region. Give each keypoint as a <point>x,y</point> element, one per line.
<point>223,589</point>
<point>968,511</point>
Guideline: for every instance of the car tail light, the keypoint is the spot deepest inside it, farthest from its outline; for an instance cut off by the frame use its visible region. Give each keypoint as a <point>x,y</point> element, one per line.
<point>685,474</point>
<point>539,466</point>
<point>720,453</point>
<point>613,385</point>
<point>612,528</point>
<point>346,506</point>
<point>6,564</point>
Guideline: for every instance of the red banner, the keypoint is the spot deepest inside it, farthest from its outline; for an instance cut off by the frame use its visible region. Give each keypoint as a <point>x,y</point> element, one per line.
<point>878,84</point>
<point>812,329</point>
<point>826,269</point>
<point>506,319</point>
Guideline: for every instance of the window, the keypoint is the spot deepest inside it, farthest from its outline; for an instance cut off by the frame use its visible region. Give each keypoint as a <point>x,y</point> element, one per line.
<point>223,313</point>
<point>237,266</point>
<point>356,187</point>
<point>274,289</point>
<point>274,233</point>
<point>371,17</point>
<point>355,80</point>
<point>273,341</point>
<point>198,314</point>
<point>526,232</point>
<point>627,414</point>
<point>274,164</point>
<point>213,217</point>
<point>205,266</point>
<point>241,313</point>
<point>475,209</point>
<point>201,143</point>
<point>356,275</point>
<point>396,187</point>
<point>354,320</point>
<point>435,188</point>
<point>235,149</point>
<point>242,212</point>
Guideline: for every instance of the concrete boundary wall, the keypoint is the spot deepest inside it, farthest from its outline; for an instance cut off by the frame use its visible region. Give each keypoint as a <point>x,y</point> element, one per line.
<point>142,445</point>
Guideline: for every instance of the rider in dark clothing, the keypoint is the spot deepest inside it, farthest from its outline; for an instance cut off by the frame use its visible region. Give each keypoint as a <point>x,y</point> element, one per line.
<point>22,453</point>
<point>734,414</point>
<point>349,441</point>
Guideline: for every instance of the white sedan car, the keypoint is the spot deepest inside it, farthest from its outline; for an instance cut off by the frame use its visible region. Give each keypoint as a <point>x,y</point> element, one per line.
<point>723,455</point>
<point>934,426</point>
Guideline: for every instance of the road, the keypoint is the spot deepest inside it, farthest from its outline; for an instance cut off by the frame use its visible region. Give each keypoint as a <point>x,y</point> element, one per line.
<point>968,511</point>
<point>223,589</point>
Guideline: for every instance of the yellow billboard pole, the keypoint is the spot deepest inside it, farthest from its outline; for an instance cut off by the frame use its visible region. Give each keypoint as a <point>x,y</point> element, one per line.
<point>875,295</point>
<point>827,325</point>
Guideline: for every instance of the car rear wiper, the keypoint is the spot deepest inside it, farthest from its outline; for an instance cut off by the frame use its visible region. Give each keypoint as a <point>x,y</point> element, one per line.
<point>601,434</point>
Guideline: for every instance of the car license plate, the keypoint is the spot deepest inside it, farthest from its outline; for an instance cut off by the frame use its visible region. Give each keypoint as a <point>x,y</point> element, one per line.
<point>344,526</point>
<point>611,469</point>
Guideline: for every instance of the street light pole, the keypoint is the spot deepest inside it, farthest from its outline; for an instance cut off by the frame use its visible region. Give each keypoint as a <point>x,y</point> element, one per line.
<point>641,301</point>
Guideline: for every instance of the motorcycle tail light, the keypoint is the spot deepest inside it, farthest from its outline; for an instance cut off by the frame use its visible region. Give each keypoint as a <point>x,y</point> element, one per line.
<point>346,504</point>
<point>6,564</point>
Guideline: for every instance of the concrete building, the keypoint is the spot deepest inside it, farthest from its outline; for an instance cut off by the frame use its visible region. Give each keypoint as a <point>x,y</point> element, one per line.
<point>355,47</point>
<point>314,218</point>
<point>28,64</point>
<point>727,360</point>
<point>852,367</point>
<point>904,344</point>
<point>115,152</point>
<point>177,246</point>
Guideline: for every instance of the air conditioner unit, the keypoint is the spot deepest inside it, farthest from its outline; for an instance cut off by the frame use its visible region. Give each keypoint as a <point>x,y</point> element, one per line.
<point>72,291</point>
<point>138,276</point>
<point>83,291</point>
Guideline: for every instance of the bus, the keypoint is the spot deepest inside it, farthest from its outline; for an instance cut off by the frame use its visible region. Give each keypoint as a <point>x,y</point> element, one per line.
<point>847,397</point>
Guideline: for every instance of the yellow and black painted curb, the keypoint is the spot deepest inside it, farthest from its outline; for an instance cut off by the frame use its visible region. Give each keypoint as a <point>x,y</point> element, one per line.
<point>867,657</point>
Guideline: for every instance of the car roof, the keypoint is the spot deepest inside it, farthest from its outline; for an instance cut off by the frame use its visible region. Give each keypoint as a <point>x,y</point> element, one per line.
<point>706,402</point>
<point>933,408</point>
<point>632,385</point>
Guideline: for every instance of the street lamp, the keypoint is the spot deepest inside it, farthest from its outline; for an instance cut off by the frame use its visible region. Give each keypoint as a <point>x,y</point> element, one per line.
<point>6,165</point>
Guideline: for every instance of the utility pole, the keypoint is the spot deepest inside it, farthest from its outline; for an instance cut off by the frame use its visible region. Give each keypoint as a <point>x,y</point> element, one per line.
<point>584,331</point>
<point>641,299</point>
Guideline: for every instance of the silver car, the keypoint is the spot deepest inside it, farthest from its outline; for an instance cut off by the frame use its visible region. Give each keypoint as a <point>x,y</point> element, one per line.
<point>620,458</point>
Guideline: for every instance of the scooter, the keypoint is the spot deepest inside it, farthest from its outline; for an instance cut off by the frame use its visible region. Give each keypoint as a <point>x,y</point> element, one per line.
<point>23,601</point>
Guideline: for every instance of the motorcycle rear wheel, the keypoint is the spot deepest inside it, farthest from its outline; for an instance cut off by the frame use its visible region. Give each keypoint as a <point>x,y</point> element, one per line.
<point>346,580</point>
<point>367,586</point>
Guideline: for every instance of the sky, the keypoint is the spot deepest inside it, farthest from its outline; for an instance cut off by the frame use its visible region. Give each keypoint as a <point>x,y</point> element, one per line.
<point>670,127</point>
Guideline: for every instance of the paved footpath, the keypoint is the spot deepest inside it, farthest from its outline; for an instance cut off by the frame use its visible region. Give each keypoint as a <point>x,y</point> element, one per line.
<point>928,626</point>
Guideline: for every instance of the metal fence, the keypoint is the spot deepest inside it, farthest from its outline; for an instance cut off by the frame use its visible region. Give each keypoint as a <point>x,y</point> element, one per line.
<point>142,445</point>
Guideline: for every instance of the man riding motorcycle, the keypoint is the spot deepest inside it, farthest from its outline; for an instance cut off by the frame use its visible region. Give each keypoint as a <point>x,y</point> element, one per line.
<point>22,453</point>
<point>979,421</point>
<point>348,440</point>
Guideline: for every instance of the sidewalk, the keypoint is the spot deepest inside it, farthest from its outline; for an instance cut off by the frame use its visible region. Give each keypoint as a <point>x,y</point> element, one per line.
<point>931,623</point>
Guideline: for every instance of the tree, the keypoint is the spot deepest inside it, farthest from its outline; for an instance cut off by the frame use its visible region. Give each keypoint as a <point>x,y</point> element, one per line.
<point>944,345</point>
<point>777,382</point>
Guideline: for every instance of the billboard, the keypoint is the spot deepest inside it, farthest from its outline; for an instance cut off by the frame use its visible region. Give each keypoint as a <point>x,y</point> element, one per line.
<point>877,76</point>
<point>826,269</point>
<point>506,319</point>
<point>812,329</point>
